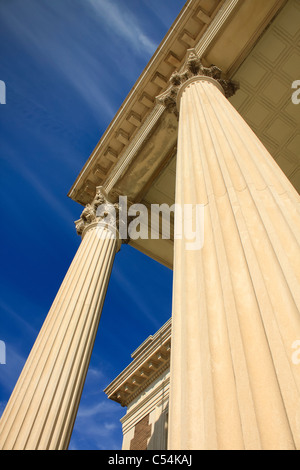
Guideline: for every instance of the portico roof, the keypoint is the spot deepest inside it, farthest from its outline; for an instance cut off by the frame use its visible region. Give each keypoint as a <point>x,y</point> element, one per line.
<point>252,42</point>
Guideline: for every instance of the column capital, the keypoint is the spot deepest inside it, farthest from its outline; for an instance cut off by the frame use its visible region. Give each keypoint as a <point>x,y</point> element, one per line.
<point>101,212</point>
<point>193,70</point>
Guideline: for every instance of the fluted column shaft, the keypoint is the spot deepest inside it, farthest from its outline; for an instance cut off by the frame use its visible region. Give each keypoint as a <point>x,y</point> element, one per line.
<point>42,409</point>
<point>236,301</point>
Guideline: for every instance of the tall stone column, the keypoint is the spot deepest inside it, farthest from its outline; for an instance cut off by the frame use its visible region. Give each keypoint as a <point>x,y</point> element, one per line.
<point>236,301</point>
<point>42,409</point>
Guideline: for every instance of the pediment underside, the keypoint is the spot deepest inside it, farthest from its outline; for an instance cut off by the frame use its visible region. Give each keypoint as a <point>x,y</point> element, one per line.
<point>265,68</point>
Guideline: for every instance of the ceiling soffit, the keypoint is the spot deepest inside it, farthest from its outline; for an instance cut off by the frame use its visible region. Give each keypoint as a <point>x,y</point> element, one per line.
<point>264,101</point>
<point>265,96</point>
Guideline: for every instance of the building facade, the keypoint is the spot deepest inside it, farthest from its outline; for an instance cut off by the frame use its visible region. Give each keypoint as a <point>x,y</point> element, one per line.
<point>212,122</point>
<point>143,388</point>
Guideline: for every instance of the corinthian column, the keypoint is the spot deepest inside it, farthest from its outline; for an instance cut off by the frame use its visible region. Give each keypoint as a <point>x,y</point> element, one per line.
<point>42,409</point>
<point>236,301</point>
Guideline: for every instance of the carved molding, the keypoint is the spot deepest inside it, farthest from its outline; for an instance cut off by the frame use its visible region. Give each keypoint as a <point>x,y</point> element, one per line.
<point>193,68</point>
<point>102,212</point>
<point>91,215</point>
<point>134,146</point>
<point>154,350</point>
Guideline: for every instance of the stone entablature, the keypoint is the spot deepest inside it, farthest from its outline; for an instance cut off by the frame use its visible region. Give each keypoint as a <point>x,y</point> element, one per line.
<point>203,25</point>
<point>150,360</point>
<point>188,28</point>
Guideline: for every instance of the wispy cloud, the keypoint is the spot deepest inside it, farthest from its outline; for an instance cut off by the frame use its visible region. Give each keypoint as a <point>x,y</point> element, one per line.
<point>18,319</point>
<point>52,201</point>
<point>136,297</point>
<point>98,419</point>
<point>88,410</point>
<point>88,55</point>
<point>68,54</point>
<point>124,24</point>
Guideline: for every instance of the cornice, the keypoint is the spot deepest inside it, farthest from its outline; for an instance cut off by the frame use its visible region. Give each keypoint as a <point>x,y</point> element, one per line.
<point>150,360</point>
<point>159,394</point>
<point>134,146</point>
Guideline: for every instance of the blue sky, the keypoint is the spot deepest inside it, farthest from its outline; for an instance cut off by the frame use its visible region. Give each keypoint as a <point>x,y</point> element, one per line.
<point>68,65</point>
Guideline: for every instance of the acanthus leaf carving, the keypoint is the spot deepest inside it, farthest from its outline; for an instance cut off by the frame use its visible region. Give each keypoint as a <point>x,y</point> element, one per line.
<point>92,214</point>
<point>193,67</point>
<point>107,213</point>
